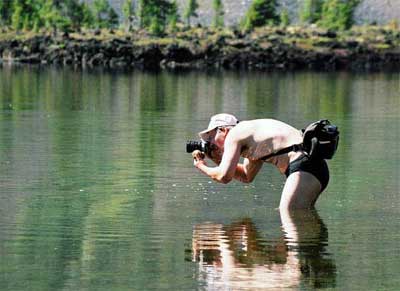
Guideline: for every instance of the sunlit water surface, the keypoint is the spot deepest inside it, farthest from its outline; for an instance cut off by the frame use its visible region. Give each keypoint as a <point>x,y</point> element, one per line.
<point>97,192</point>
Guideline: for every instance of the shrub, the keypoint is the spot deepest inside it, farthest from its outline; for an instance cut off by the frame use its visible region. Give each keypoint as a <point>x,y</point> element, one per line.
<point>284,18</point>
<point>311,11</point>
<point>191,11</point>
<point>261,12</point>
<point>218,20</point>
<point>338,14</point>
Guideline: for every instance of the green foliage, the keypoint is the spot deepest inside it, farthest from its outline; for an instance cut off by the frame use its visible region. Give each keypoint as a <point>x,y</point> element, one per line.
<point>50,17</point>
<point>75,12</point>
<point>5,12</point>
<point>284,18</point>
<point>218,20</point>
<point>191,11</point>
<point>338,14</point>
<point>128,11</point>
<point>173,16</point>
<point>87,16</point>
<point>17,15</point>
<point>23,14</point>
<point>260,13</point>
<point>54,14</point>
<point>101,12</point>
<point>156,27</point>
<point>113,18</point>
<point>155,14</point>
<point>142,13</point>
<point>311,11</point>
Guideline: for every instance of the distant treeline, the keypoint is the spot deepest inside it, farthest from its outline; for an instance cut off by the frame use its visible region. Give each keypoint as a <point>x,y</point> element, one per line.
<point>162,16</point>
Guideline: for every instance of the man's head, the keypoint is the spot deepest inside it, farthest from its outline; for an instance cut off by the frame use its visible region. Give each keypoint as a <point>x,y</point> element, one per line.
<point>219,123</point>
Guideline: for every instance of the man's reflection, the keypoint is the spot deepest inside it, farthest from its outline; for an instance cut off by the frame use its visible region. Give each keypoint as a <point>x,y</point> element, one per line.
<point>237,257</point>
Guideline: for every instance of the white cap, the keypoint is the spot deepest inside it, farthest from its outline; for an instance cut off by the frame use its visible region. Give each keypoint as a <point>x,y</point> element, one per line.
<point>222,119</point>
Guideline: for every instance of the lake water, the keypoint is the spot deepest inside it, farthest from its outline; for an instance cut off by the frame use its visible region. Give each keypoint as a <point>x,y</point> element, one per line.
<point>97,192</point>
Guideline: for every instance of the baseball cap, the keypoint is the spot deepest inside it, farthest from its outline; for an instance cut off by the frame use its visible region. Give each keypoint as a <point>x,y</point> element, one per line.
<point>221,119</point>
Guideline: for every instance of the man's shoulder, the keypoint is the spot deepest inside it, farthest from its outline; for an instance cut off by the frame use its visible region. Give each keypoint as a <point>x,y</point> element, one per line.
<point>244,129</point>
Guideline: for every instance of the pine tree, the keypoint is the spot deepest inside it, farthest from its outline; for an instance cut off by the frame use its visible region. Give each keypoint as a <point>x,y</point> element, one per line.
<point>74,10</point>
<point>128,12</point>
<point>338,14</point>
<point>218,13</point>
<point>27,14</point>
<point>153,15</point>
<point>101,8</point>
<point>146,10</point>
<point>113,18</point>
<point>5,12</point>
<point>50,17</point>
<point>17,15</point>
<point>284,18</point>
<point>261,12</point>
<point>173,16</point>
<point>191,11</point>
<point>87,16</point>
<point>311,11</point>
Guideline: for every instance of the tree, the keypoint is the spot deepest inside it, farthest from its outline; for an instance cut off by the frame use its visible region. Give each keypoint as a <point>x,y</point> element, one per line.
<point>173,16</point>
<point>104,15</point>
<point>113,18</point>
<point>284,18</point>
<point>191,11</point>
<point>218,13</point>
<point>49,16</point>
<point>75,11</point>
<point>338,14</point>
<point>311,11</point>
<point>100,8</point>
<point>142,13</point>
<point>87,16</point>
<point>17,15</point>
<point>5,12</point>
<point>261,12</point>
<point>153,15</point>
<point>128,11</point>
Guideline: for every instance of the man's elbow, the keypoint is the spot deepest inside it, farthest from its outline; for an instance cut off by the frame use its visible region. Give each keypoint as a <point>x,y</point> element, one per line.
<point>223,179</point>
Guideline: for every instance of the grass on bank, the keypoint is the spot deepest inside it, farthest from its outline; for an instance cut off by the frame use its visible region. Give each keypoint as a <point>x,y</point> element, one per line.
<point>306,37</point>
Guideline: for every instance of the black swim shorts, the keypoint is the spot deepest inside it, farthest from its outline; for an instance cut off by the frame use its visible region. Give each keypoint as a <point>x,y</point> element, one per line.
<point>317,167</point>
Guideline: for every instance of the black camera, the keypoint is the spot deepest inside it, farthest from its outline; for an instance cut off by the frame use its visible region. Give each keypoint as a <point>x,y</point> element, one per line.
<point>202,146</point>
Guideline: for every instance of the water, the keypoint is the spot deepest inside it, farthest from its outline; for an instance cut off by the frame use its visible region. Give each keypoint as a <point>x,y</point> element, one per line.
<point>97,193</point>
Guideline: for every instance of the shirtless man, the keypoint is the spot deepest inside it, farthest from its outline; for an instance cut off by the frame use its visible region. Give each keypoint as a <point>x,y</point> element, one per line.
<point>253,140</point>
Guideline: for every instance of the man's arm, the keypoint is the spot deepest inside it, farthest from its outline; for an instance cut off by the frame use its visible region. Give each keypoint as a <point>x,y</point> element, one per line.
<point>247,171</point>
<point>226,170</point>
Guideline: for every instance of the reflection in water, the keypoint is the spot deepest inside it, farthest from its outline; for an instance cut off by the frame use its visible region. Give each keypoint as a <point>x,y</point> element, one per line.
<point>236,257</point>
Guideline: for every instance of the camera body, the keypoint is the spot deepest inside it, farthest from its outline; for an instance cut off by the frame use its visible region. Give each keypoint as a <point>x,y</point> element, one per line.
<point>201,145</point>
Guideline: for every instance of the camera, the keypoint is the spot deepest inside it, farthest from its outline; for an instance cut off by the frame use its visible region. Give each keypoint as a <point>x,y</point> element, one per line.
<point>201,145</point>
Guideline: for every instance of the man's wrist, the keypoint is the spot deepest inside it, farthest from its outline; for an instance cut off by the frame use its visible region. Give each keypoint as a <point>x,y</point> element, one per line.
<point>200,164</point>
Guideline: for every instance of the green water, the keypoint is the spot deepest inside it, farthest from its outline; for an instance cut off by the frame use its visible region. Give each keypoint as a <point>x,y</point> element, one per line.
<point>97,192</point>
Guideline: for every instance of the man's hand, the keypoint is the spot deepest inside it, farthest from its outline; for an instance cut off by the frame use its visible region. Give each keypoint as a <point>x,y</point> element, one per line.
<point>198,158</point>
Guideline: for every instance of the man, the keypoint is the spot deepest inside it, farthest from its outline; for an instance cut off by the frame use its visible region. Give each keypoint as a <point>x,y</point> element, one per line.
<point>254,140</point>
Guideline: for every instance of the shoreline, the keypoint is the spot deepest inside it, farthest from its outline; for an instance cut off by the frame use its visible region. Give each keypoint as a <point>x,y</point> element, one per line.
<point>267,48</point>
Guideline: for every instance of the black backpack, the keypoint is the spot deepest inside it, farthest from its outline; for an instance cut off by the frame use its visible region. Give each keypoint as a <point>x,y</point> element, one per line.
<point>320,141</point>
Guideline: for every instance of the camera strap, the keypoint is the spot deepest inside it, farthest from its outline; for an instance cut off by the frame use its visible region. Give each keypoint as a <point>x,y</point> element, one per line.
<point>292,148</point>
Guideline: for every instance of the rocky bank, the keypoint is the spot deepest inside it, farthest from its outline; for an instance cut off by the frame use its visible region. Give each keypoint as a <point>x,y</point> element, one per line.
<point>373,48</point>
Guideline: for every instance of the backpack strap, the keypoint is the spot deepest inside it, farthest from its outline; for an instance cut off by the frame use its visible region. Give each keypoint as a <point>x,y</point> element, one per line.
<point>292,148</point>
